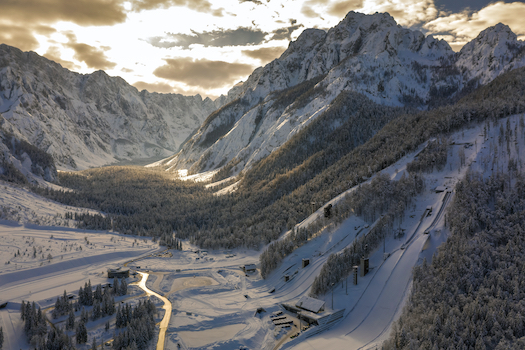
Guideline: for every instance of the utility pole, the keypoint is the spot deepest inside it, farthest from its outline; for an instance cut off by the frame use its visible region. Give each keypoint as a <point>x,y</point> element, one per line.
<point>332,295</point>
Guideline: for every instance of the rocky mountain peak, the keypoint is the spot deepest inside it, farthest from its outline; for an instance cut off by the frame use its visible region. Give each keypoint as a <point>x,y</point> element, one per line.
<point>368,54</point>
<point>494,51</point>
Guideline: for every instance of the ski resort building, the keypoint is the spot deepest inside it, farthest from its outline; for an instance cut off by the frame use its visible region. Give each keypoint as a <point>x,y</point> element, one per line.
<point>249,268</point>
<point>310,304</point>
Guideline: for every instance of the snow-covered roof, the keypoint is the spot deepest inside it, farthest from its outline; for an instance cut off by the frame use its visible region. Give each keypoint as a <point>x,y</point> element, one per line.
<point>310,304</point>
<point>250,267</point>
<point>440,189</point>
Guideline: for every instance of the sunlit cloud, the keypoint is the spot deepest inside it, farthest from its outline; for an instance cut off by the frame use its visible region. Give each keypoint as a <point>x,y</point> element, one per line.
<point>154,87</point>
<point>265,54</point>
<point>53,53</point>
<point>82,12</point>
<point>196,5</point>
<point>203,73</point>
<point>93,57</point>
<point>459,28</point>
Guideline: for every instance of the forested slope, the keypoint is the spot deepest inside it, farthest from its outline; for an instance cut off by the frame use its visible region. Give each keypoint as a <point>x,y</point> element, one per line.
<point>472,294</point>
<point>259,213</point>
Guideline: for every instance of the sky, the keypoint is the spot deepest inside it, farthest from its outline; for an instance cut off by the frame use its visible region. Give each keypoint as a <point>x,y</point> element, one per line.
<point>207,46</point>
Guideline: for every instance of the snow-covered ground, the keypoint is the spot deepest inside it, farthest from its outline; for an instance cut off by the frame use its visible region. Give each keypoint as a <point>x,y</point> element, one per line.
<point>214,302</point>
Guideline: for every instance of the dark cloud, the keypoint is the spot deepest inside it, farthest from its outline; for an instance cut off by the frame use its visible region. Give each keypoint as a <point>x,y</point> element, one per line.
<point>93,57</point>
<point>53,53</point>
<point>202,72</point>
<point>460,6</point>
<point>81,12</point>
<point>154,87</point>
<point>265,54</point>
<point>285,33</point>
<point>252,1</point>
<point>196,5</point>
<point>219,38</point>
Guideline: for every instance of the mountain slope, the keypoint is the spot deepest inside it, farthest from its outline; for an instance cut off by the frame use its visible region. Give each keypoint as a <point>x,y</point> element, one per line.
<point>90,120</point>
<point>368,54</point>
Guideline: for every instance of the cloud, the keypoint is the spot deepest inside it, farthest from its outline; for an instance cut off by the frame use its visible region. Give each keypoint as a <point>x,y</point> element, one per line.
<point>341,8</point>
<point>218,38</point>
<point>93,57</point>
<point>285,33</point>
<point>196,5</point>
<point>127,70</point>
<point>81,12</point>
<point>307,8</point>
<point>459,28</point>
<point>406,12</point>
<point>257,2</point>
<point>19,36</point>
<point>265,54</point>
<point>204,73</point>
<point>154,87</point>
<point>53,53</point>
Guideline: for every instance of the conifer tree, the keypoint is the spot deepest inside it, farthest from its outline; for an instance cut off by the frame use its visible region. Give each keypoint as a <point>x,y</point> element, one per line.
<point>81,333</point>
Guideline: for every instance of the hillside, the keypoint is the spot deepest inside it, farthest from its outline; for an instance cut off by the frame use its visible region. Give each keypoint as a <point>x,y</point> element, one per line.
<point>90,120</point>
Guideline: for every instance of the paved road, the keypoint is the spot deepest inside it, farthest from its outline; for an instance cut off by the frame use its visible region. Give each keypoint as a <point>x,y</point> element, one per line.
<point>167,307</point>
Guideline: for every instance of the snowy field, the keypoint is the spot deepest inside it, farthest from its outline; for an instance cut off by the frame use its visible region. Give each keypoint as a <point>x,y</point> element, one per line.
<point>214,302</point>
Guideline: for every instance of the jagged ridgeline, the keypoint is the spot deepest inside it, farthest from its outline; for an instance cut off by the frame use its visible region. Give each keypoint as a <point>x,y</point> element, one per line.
<point>143,201</point>
<point>366,54</point>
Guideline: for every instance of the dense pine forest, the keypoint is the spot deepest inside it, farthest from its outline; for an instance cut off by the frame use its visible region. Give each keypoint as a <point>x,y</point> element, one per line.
<point>472,294</point>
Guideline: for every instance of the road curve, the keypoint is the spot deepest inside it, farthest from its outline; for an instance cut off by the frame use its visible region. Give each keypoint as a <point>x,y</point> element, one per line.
<point>167,307</point>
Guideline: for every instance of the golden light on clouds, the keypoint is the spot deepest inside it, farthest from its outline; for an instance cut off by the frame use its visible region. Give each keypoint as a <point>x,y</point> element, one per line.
<point>466,25</point>
<point>206,46</point>
<point>203,73</point>
<point>82,12</point>
<point>265,54</point>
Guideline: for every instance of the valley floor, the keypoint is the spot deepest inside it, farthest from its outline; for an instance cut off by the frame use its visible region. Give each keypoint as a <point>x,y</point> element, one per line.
<point>214,303</point>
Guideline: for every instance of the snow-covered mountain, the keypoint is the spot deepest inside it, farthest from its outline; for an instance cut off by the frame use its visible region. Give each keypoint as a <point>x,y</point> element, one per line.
<point>21,161</point>
<point>368,54</point>
<point>93,119</point>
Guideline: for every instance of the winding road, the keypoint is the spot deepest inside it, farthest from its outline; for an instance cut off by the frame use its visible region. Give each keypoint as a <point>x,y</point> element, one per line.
<point>167,307</point>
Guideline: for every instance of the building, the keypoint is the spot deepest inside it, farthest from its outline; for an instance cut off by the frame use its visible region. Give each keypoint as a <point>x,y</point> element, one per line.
<point>118,273</point>
<point>440,189</point>
<point>310,304</point>
<point>249,268</point>
<point>306,262</point>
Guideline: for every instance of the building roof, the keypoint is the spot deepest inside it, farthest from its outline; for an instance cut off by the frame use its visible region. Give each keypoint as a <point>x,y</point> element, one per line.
<point>250,266</point>
<point>310,304</point>
<point>440,189</point>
